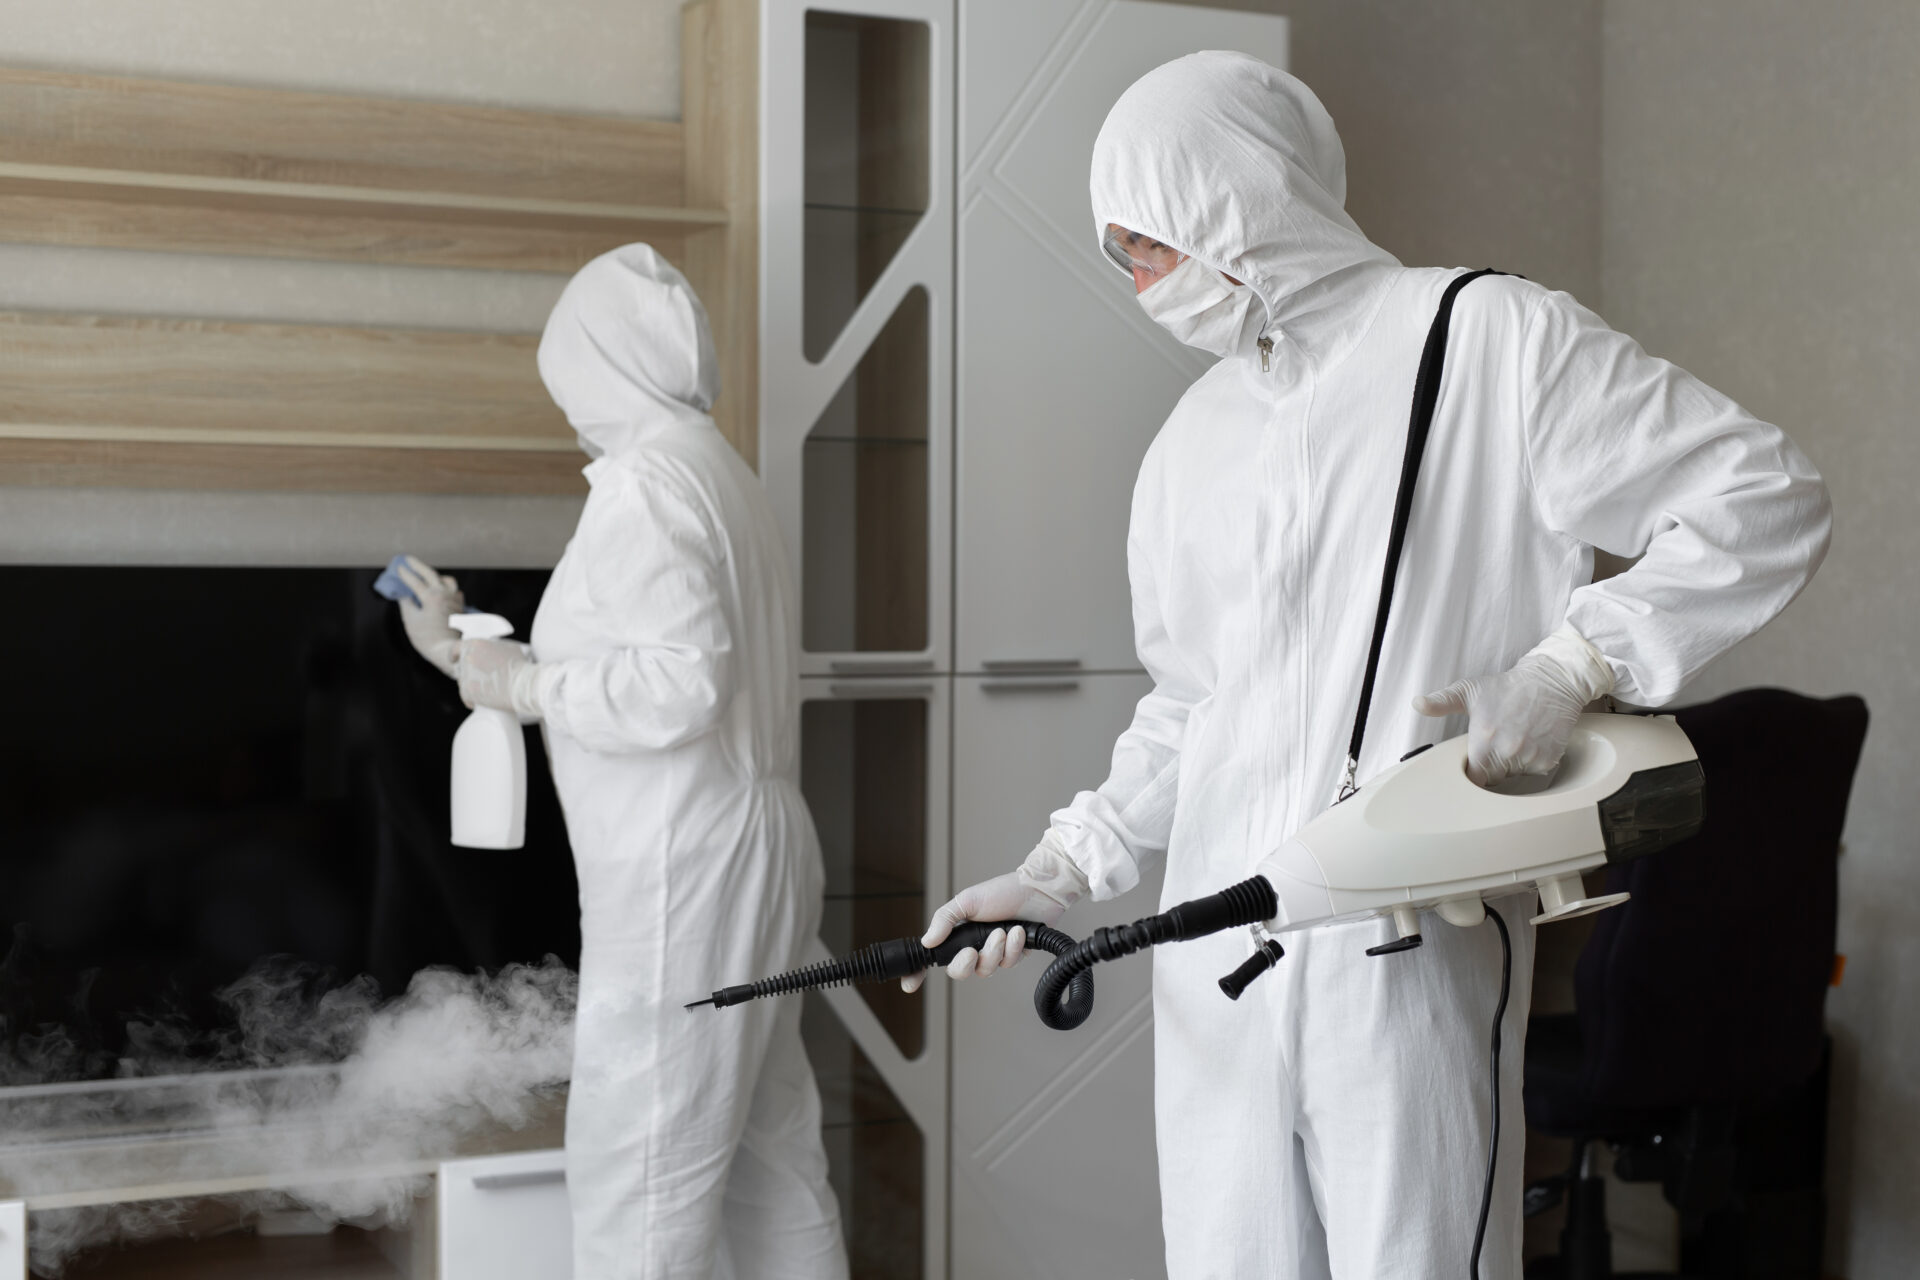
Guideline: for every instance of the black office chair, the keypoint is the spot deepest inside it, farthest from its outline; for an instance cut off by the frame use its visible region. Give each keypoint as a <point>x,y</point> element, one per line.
<point>1697,1049</point>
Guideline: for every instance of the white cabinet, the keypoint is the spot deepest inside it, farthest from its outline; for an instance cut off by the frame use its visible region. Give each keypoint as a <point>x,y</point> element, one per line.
<point>956,391</point>
<point>13,1240</point>
<point>1053,1154</point>
<point>1061,384</point>
<point>505,1217</point>
<point>1062,381</point>
<point>856,306</point>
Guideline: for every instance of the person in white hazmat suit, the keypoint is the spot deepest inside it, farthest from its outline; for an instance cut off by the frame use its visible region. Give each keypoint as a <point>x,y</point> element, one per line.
<point>664,672</point>
<point>1334,1122</point>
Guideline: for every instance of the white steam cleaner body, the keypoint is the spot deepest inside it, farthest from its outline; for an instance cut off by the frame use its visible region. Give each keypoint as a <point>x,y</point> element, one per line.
<point>1422,834</point>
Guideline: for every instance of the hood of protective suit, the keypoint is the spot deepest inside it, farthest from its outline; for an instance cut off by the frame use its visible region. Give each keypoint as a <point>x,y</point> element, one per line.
<point>627,351</point>
<point>1236,163</point>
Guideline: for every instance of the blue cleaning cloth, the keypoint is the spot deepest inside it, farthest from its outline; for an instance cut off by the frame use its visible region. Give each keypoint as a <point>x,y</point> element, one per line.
<point>391,585</point>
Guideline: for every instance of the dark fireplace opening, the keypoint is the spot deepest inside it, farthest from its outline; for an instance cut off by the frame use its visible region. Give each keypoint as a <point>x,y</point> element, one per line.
<point>207,772</point>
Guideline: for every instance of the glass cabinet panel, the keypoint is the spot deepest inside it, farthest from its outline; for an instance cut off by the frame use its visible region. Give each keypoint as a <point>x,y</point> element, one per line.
<point>874,1152</point>
<point>863,769</point>
<point>866,184</point>
<point>865,499</point>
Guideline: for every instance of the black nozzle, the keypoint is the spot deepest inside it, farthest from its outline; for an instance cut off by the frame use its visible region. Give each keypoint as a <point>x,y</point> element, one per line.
<point>903,957</point>
<point>726,996</point>
<point>1265,956</point>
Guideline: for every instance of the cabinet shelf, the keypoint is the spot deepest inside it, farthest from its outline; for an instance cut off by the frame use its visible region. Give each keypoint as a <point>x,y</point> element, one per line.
<point>877,210</point>
<point>154,164</point>
<point>270,194</point>
<point>131,209</point>
<point>869,442</point>
<point>119,162</point>
<point>861,884</point>
<point>209,404</point>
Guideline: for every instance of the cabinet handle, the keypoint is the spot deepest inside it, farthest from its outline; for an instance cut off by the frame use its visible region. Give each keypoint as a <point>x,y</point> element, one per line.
<point>879,666</point>
<point>881,689</point>
<point>1028,686</point>
<point>1030,664</point>
<point>508,1181</point>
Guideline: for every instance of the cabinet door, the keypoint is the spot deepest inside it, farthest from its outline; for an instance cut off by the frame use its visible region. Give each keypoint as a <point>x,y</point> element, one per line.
<point>505,1218</point>
<point>874,770</point>
<point>1053,1152</point>
<point>856,339</point>
<point>1062,381</point>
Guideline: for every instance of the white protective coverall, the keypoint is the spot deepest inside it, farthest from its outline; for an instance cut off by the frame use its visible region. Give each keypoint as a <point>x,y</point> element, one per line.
<point>667,647</point>
<point>1335,1120</point>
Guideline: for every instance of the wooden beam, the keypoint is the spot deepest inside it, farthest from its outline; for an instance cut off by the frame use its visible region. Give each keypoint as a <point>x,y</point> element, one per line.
<point>41,213</point>
<point>116,465</point>
<point>160,402</point>
<point>95,215</point>
<point>328,139</point>
<point>160,372</point>
<point>720,104</point>
<point>146,164</point>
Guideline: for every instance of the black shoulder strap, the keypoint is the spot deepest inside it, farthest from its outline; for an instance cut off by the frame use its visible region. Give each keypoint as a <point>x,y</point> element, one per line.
<point>1426,394</point>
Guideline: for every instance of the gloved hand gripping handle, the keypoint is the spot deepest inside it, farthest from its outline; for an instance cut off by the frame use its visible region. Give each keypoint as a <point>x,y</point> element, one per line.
<point>1070,1004</point>
<point>1248,902</point>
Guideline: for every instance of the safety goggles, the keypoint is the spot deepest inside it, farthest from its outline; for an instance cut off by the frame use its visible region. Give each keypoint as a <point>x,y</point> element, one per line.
<point>1142,257</point>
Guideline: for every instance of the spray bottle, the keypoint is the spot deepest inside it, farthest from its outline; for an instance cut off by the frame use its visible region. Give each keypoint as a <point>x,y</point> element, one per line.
<point>489,761</point>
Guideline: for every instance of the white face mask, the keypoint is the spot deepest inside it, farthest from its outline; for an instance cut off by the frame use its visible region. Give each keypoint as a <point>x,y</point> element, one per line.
<point>1195,304</point>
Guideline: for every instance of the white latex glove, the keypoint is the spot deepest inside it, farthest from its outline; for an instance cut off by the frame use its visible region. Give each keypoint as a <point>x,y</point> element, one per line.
<point>1045,885</point>
<point>1520,721</point>
<point>426,622</point>
<point>499,674</point>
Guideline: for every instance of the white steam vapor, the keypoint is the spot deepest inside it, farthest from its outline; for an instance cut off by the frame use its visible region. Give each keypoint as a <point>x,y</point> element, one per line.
<point>347,1091</point>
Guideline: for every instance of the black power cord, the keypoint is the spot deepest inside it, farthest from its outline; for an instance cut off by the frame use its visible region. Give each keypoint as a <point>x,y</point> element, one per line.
<point>1493,1147</point>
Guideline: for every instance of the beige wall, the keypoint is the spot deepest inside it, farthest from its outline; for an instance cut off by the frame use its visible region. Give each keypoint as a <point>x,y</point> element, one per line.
<point>1472,127</point>
<point>614,57</point>
<point>1761,227</point>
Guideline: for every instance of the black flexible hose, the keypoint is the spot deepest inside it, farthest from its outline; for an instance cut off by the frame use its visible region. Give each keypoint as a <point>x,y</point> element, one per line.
<point>1493,1147</point>
<point>1066,1008</point>
<point>1238,904</point>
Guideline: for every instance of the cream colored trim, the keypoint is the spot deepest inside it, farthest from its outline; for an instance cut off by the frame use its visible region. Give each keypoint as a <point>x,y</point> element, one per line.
<point>296,439</point>
<point>131,179</point>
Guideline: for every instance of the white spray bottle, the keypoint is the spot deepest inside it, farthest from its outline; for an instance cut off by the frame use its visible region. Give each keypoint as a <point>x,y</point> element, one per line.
<point>489,761</point>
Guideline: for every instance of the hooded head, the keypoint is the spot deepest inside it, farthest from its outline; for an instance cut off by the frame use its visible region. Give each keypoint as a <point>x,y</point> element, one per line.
<point>627,350</point>
<point>1237,164</point>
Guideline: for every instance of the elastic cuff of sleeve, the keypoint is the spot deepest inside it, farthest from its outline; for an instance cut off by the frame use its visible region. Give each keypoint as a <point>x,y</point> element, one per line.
<point>531,685</point>
<point>1050,871</point>
<point>1586,668</point>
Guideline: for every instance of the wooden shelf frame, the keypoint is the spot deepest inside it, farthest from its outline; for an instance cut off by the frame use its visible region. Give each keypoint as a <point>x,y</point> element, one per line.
<point>146,402</point>
<point>167,402</point>
<point>171,166</point>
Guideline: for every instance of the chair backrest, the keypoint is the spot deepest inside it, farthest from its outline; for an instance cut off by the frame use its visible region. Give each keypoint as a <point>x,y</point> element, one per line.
<point>1709,986</point>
